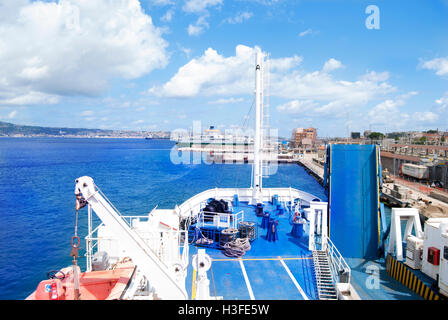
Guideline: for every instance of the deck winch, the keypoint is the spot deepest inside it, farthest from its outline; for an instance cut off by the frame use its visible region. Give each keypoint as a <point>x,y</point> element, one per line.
<point>228,235</point>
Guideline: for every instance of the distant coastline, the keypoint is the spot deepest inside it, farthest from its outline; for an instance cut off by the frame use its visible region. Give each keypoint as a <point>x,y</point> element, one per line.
<point>10,130</point>
<point>79,137</point>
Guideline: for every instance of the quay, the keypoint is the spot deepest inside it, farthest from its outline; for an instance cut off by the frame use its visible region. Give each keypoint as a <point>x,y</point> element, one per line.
<point>310,166</point>
<point>395,191</point>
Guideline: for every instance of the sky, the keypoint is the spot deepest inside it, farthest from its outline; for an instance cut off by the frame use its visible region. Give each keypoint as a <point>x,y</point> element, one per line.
<point>338,66</point>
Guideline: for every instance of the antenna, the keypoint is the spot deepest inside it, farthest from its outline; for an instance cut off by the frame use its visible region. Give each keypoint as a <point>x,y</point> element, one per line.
<point>266,115</point>
<point>266,108</point>
<point>258,143</point>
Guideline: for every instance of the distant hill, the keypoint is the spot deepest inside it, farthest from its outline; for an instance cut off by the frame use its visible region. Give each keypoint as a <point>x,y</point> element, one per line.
<point>14,130</point>
<point>9,129</point>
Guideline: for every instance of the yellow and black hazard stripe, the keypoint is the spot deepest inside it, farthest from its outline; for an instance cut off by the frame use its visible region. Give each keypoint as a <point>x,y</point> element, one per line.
<point>399,271</point>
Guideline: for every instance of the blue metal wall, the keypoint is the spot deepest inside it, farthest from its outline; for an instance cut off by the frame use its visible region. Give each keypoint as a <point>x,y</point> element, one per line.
<point>353,180</point>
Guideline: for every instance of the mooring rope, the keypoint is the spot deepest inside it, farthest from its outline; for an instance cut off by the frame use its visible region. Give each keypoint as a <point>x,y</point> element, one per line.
<point>237,248</point>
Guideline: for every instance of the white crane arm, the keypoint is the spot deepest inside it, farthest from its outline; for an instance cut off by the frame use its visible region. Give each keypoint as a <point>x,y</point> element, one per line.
<point>159,275</point>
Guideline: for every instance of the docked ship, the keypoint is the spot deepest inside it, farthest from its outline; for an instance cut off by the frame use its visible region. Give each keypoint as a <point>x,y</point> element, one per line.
<point>239,243</point>
<point>212,136</point>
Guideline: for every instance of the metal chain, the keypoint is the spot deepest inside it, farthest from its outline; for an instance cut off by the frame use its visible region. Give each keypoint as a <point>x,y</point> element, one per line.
<point>74,253</point>
<point>76,223</point>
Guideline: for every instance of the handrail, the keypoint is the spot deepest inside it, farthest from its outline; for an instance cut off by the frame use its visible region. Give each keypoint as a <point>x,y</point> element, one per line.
<point>194,203</point>
<point>338,263</point>
<point>230,220</point>
<point>94,240</point>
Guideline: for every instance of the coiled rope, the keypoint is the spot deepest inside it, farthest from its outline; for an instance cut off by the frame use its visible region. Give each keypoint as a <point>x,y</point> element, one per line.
<point>237,248</point>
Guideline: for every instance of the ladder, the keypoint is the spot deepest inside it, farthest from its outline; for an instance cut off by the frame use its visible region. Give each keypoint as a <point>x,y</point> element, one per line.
<point>324,277</point>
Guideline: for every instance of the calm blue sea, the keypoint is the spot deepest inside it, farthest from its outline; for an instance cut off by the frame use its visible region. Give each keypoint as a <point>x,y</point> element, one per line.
<point>37,194</point>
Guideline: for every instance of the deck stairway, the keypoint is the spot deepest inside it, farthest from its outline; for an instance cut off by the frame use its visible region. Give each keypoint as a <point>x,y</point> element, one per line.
<point>325,282</point>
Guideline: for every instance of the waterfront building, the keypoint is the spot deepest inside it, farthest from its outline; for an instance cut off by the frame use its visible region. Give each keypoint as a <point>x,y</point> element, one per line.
<point>302,137</point>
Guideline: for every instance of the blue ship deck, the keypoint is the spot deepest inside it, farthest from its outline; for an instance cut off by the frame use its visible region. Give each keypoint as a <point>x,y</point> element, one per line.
<point>387,288</point>
<point>280,270</point>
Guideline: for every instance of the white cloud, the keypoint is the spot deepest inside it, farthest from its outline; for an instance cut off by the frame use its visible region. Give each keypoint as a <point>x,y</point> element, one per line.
<point>87,113</point>
<point>426,116</point>
<point>297,106</point>
<point>168,16</point>
<point>239,18</point>
<point>162,2</point>
<point>332,64</point>
<point>285,64</point>
<point>199,26</point>
<point>306,32</point>
<point>8,9</point>
<point>213,74</point>
<point>34,73</point>
<point>389,113</point>
<point>375,76</point>
<point>334,96</point>
<point>440,65</point>
<point>186,51</point>
<point>199,5</point>
<point>12,114</point>
<point>73,47</point>
<point>443,102</point>
<point>194,30</point>
<point>266,2</point>
<point>18,96</point>
<point>227,101</point>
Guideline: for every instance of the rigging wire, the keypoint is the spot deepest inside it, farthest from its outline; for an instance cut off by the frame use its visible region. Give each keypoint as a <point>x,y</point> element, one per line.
<point>213,279</point>
<point>244,125</point>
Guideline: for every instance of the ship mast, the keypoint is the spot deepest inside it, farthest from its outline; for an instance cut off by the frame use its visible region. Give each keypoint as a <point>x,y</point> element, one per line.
<point>257,177</point>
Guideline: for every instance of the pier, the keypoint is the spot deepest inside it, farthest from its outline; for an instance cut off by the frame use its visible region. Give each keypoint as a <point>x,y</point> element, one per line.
<point>227,155</point>
<point>399,192</point>
<point>312,167</point>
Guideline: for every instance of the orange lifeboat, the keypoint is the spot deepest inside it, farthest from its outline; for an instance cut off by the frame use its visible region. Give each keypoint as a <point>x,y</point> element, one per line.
<point>94,285</point>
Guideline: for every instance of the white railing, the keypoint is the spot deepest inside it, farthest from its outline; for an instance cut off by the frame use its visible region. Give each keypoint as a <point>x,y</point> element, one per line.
<point>220,220</point>
<point>338,265</point>
<point>154,239</point>
<point>193,206</point>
